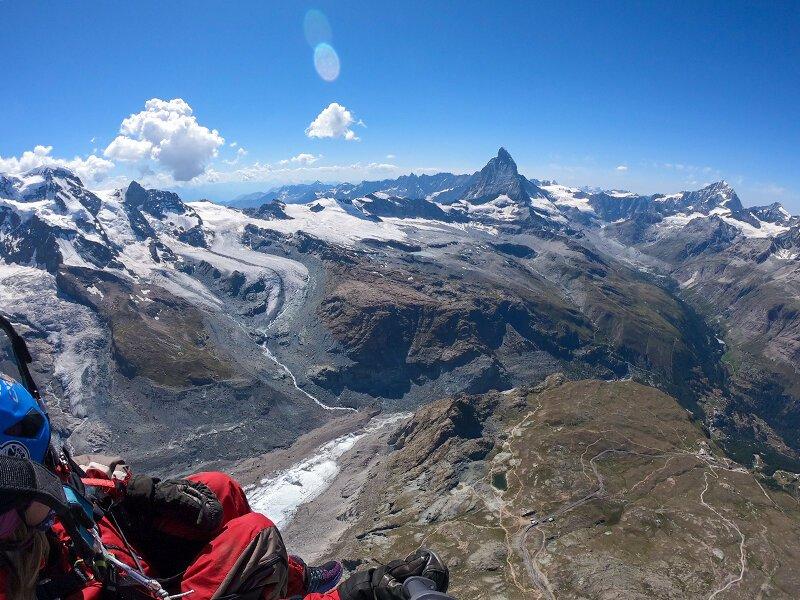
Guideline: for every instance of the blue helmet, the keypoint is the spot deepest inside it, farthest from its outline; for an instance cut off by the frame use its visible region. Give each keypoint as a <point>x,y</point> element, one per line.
<point>24,426</point>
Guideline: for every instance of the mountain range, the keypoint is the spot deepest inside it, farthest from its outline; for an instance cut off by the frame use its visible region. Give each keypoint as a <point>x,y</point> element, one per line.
<point>315,299</point>
<point>603,387</point>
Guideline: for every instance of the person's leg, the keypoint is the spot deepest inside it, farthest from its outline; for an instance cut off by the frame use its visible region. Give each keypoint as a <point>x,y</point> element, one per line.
<point>247,558</point>
<point>296,585</point>
<point>113,540</point>
<point>234,504</point>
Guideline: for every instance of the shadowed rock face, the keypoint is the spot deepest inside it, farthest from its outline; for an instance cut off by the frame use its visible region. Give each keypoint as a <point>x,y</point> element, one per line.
<point>269,211</point>
<point>402,321</point>
<point>499,176</point>
<point>575,489</point>
<point>163,206</point>
<point>404,208</point>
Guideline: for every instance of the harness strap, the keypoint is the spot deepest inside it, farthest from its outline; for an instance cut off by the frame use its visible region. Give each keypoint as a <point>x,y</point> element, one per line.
<point>104,484</point>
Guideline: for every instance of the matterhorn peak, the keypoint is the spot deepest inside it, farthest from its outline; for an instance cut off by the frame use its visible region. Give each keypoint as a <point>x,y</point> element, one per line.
<point>503,155</point>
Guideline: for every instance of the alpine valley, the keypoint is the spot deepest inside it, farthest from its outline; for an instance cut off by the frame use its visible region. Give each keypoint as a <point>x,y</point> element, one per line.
<point>189,335</point>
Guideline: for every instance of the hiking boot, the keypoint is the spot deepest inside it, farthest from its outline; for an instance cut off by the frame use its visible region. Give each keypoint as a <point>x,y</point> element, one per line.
<point>323,578</point>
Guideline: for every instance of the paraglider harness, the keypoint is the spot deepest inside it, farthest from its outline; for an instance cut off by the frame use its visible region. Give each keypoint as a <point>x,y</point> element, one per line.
<point>61,485</point>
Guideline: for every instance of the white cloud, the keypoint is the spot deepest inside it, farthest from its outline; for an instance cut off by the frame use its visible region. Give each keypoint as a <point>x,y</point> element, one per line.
<point>335,121</point>
<point>91,169</point>
<point>233,144</point>
<point>390,157</point>
<point>127,149</point>
<point>167,132</point>
<point>240,153</point>
<point>622,168</point>
<point>303,159</point>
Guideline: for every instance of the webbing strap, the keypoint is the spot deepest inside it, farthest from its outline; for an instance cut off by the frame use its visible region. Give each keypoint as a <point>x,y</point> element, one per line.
<point>106,484</point>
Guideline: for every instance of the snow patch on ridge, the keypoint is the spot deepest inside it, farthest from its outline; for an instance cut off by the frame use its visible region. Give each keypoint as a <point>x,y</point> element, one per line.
<point>784,254</point>
<point>502,208</point>
<point>765,229</point>
<point>336,223</point>
<point>567,196</point>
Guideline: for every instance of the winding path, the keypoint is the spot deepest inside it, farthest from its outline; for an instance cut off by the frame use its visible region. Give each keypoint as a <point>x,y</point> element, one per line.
<point>539,579</point>
<point>742,558</point>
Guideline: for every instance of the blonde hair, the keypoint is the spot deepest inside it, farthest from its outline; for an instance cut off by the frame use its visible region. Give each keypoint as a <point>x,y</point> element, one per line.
<point>25,563</point>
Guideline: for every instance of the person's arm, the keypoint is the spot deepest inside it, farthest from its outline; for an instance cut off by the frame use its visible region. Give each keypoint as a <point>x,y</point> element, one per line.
<point>386,582</point>
<point>179,507</point>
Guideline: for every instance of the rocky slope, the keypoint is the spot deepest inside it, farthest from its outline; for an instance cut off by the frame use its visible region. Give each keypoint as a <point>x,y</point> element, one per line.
<point>582,489</point>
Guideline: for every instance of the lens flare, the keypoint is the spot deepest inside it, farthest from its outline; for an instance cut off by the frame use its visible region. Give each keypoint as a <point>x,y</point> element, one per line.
<point>317,28</point>
<point>326,62</point>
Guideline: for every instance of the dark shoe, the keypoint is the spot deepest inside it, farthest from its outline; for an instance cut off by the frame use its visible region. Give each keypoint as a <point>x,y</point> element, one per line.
<point>323,578</point>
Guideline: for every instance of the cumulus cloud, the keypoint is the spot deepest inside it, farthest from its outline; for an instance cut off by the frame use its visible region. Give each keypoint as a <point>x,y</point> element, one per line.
<point>167,132</point>
<point>127,149</point>
<point>91,169</point>
<point>302,159</point>
<point>335,121</point>
<point>622,168</point>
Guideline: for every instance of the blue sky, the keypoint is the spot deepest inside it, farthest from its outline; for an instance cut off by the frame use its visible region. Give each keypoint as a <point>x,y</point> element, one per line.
<point>643,96</point>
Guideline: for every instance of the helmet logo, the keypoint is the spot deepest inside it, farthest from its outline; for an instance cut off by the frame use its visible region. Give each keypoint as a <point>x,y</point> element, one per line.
<point>15,449</point>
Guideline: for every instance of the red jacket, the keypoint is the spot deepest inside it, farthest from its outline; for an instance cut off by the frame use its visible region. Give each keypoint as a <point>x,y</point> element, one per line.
<point>242,533</point>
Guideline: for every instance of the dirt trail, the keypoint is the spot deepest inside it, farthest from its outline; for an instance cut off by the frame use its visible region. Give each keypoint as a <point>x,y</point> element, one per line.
<point>537,576</point>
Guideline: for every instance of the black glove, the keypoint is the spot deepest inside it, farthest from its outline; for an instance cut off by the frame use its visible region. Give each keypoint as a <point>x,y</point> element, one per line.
<point>386,582</point>
<point>177,501</point>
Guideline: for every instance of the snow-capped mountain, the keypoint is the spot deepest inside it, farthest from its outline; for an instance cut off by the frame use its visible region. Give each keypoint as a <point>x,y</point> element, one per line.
<point>480,281</point>
<point>499,194</point>
<point>406,186</point>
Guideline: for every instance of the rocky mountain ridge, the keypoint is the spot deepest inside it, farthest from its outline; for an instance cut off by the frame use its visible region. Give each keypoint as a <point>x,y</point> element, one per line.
<point>501,177</point>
